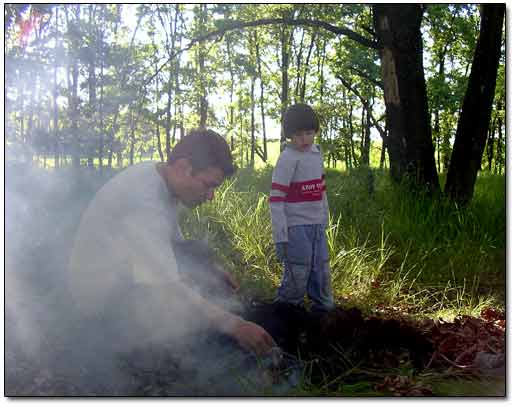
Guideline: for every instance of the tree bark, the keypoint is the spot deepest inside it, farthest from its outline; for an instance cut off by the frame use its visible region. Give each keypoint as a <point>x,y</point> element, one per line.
<point>72,76</point>
<point>92,83</point>
<point>102,66</point>
<point>365,158</point>
<point>132,138</point>
<point>498,160</point>
<point>490,144</point>
<point>299,60</point>
<point>203,103</point>
<point>476,110</point>
<point>305,70</point>
<point>55,93</point>
<point>252,158</point>
<point>410,145</point>
<point>284,79</point>
<point>262,107</point>
<point>232,90</point>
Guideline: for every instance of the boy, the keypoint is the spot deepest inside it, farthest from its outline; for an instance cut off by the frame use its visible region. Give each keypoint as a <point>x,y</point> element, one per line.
<point>299,213</point>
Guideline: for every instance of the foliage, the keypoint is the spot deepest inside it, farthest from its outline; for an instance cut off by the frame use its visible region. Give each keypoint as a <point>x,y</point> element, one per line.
<point>93,81</point>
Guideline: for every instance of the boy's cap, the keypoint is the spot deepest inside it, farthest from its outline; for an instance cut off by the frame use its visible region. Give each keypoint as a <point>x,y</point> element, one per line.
<point>299,117</point>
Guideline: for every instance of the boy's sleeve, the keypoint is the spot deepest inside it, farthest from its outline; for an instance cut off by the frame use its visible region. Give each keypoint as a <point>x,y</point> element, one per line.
<point>282,176</point>
<point>326,208</point>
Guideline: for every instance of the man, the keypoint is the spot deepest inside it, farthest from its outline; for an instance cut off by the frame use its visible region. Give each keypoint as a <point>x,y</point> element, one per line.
<point>123,270</point>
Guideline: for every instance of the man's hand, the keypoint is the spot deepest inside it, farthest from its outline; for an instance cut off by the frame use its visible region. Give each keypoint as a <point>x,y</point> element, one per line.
<point>253,337</point>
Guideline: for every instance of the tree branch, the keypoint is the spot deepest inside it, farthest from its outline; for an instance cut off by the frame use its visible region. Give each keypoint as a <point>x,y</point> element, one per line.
<point>365,104</point>
<point>237,25</point>
<point>366,76</point>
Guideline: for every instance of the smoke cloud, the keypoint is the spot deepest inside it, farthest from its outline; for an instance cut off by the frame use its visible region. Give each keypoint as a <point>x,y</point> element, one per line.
<point>52,349</point>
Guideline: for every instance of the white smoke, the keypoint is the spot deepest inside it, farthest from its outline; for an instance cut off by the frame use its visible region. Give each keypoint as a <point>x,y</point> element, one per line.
<point>41,215</point>
<point>50,349</point>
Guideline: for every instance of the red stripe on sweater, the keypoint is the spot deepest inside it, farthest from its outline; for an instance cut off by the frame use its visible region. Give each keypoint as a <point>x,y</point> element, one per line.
<point>280,187</point>
<point>308,191</point>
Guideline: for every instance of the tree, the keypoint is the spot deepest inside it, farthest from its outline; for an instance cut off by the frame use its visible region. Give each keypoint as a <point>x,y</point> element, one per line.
<point>399,42</point>
<point>475,115</point>
<point>409,138</point>
<point>351,62</point>
<point>450,39</point>
<point>74,36</point>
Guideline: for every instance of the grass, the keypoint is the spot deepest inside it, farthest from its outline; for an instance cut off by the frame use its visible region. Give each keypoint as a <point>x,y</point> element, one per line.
<point>385,245</point>
<point>420,256</point>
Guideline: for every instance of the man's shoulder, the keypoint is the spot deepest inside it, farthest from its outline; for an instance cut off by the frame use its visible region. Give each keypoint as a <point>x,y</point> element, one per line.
<point>131,186</point>
<point>142,167</point>
<point>143,170</point>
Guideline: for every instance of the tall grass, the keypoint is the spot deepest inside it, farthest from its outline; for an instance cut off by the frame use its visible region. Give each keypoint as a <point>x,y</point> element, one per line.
<point>386,245</point>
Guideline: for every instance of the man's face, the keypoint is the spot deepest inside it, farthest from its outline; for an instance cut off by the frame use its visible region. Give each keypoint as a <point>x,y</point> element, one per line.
<point>198,187</point>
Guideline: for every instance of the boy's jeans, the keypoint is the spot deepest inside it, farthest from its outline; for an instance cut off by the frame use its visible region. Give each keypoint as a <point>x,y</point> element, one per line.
<point>306,263</point>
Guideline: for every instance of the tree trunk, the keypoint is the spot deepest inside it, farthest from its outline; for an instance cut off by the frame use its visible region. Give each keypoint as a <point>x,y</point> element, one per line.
<point>299,58</point>
<point>410,145</point>
<point>170,46</point>
<point>102,66</point>
<point>382,156</point>
<point>178,104</point>
<point>351,139</point>
<point>437,105</point>
<point>362,136</point>
<point>92,86</point>
<point>168,119</point>
<point>55,94</point>
<point>490,144</point>
<point>320,70</point>
<point>365,159</point>
<point>284,78</point>
<point>252,158</point>
<point>476,110</point>
<point>262,107</point>
<point>498,160</point>
<point>72,77</point>
<point>74,113</point>
<point>132,138</point>
<point>305,70</point>
<point>203,103</point>
<point>232,84</point>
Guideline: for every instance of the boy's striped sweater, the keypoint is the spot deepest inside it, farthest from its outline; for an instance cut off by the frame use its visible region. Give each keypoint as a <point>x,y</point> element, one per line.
<point>298,191</point>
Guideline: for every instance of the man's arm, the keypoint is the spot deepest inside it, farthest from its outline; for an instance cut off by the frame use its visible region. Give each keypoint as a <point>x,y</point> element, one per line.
<point>249,335</point>
<point>174,311</point>
<point>171,304</point>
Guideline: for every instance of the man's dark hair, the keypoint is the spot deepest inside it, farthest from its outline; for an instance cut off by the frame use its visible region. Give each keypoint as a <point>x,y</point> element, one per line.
<point>299,117</point>
<point>204,149</point>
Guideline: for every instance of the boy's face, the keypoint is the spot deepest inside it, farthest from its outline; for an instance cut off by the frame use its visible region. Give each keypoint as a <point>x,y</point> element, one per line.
<point>303,139</point>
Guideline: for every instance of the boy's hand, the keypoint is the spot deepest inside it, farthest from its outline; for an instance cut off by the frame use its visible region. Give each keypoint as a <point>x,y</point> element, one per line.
<point>281,251</point>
